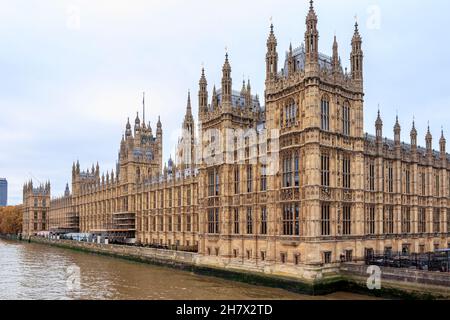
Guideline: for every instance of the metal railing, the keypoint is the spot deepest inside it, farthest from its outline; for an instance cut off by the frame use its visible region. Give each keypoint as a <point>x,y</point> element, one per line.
<point>432,261</point>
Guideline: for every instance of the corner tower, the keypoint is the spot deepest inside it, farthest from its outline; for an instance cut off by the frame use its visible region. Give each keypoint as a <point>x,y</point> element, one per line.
<point>140,154</point>
<point>317,108</point>
<point>36,205</point>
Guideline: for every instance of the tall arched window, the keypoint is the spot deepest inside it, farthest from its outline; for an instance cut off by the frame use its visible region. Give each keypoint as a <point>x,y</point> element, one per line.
<point>138,174</point>
<point>325,114</point>
<point>290,113</point>
<point>346,119</point>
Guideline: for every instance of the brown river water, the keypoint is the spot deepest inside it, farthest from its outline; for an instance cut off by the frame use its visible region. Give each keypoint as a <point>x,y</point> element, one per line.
<point>40,272</point>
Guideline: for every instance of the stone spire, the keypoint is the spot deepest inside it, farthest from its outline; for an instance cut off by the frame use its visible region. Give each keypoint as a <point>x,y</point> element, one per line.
<point>149,126</point>
<point>248,96</point>
<point>243,90</point>
<point>442,144</point>
<point>188,122</point>
<point>379,127</point>
<point>128,129</point>
<point>429,142</point>
<point>137,123</point>
<point>226,82</point>
<point>73,170</point>
<point>336,60</point>
<point>356,57</point>
<point>291,61</point>
<point>203,93</point>
<point>143,109</point>
<point>271,56</point>
<point>311,39</point>
<point>413,136</point>
<point>397,130</point>
<point>188,106</point>
<point>214,102</point>
<point>159,126</point>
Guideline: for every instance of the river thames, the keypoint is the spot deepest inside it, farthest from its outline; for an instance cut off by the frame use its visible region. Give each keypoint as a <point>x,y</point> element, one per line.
<point>39,272</point>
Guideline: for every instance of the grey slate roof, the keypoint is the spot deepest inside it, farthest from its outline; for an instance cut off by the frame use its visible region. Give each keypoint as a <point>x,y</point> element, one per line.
<point>237,100</point>
<point>325,62</point>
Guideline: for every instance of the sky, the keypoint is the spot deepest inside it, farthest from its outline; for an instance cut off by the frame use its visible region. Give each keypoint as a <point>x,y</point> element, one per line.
<point>71,72</point>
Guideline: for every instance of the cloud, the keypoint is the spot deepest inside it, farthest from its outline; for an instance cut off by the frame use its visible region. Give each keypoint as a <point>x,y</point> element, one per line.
<point>65,92</point>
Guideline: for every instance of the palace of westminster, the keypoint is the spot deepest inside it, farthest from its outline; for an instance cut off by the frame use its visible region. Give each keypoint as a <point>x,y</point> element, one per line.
<point>314,191</point>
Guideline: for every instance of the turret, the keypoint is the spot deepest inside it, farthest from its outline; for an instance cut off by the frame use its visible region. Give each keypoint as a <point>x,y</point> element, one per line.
<point>128,132</point>
<point>243,90</point>
<point>429,142</point>
<point>97,170</point>
<point>170,167</point>
<point>397,130</point>
<point>413,136</point>
<point>226,83</point>
<point>311,40</point>
<point>356,58</point>
<point>73,171</point>
<point>203,94</point>
<point>214,102</point>
<point>188,123</point>
<point>248,97</point>
<point>137,124</point>
<point>291,62</point>
<point>379,128</point>
<point>159,138</point>
<point>336,60</point>
<point>397,142</point>
<point>271,56</point>
<point>442,143</point>
<point>159,127</point>
<point>143,110</point>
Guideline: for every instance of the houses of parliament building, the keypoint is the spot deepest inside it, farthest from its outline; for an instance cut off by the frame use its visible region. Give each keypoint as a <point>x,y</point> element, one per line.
<point>291,187</point>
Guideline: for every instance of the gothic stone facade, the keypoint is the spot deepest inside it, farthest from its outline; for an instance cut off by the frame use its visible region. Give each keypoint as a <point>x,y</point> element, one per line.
<point>315,192</point>
<point>36,205</point>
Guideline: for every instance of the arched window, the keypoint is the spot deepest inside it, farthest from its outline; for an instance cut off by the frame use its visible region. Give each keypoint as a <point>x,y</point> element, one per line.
<point>290,113</point>
<point>346,119</point>
<point>138,174</point>
<point>325,114</point>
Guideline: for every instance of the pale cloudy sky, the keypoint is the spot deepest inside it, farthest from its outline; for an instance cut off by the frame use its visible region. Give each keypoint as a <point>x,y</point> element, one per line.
<point>71,72</point>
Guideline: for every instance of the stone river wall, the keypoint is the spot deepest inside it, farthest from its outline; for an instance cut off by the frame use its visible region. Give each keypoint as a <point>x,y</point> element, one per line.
<point>396,283</point>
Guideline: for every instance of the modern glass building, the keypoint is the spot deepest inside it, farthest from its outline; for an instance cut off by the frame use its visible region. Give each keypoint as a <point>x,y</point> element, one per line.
<point>3,192</point>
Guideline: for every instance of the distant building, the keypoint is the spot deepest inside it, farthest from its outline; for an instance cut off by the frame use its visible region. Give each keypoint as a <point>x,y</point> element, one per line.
<point>3,192</point>
<point>36,204</point>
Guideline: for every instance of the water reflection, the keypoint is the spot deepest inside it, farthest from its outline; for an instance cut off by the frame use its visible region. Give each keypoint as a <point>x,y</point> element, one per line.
<point>33,271</point>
